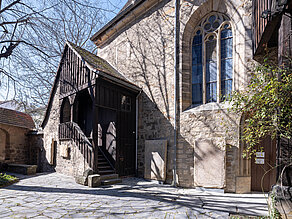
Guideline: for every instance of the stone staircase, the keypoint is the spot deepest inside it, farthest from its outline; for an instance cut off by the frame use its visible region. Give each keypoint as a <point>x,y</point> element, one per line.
<point>105,170</point>
<point>104,167</point>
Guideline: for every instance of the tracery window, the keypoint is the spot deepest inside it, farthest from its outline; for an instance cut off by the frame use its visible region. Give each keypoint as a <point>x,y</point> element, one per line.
<point>212,60</point>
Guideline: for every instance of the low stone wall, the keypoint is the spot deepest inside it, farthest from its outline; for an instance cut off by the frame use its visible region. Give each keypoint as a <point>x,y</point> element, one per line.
<point>74,163</point>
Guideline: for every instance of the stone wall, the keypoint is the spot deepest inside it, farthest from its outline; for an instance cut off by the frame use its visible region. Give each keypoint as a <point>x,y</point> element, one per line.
<point>51,132</point>
<point>16,144</point>
<point>209,134</point>
<point>143,51</point>
<point>37,152</point>
<point>51,157</point>
<point>72,165</point>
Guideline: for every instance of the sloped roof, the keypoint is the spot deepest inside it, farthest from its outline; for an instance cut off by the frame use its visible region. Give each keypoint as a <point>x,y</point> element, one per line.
<point>98,63</point>
<point>91,60</point>
<point>128,3</point>
<point>125,11</point>
<point>16,118</point>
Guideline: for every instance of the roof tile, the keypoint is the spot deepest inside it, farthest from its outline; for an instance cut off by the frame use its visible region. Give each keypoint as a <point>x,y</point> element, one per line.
<point>16,118</point>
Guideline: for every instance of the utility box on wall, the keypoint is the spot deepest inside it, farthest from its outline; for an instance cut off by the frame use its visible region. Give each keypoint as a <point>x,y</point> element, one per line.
<point>155,159</point>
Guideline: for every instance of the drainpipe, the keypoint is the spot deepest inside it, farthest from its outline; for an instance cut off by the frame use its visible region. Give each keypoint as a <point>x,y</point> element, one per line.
<point>137,117</point>
<point>176,65</point>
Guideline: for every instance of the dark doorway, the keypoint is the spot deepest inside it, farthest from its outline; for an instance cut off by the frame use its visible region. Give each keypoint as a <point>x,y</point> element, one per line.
<point>65,115</point>
<point>83,112</point>
<point>263,166</point>
<point>107,132</point>
<point>127,136</point>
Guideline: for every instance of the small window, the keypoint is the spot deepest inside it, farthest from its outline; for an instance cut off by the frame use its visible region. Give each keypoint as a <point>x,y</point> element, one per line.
<point>126,103</point>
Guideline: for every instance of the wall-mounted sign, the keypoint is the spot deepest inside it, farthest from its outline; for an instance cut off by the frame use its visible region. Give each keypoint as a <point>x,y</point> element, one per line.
<point>260,154</point>
<point>260,161</point>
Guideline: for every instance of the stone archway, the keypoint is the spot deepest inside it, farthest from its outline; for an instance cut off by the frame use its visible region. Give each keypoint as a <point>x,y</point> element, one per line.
<point>4,144</point>
<point>219,6</point>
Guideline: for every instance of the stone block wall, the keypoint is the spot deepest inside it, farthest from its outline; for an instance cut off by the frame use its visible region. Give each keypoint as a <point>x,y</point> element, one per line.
<point>143,51</point>
<point>16,144</point>
<point>74,164</point>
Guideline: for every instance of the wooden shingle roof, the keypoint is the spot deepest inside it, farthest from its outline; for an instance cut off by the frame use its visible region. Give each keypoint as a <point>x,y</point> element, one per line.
<point>16,118</point>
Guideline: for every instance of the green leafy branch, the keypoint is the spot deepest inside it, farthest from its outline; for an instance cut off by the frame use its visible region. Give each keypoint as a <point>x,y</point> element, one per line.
<point>266,105</point>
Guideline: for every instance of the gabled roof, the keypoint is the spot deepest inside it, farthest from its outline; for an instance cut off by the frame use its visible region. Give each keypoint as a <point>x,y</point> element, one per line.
<point>95,63</point>
<point>130,6</point>
<point>16,118</point>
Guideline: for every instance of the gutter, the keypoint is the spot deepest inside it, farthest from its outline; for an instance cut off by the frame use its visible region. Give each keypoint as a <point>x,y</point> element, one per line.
<point>176,72</point>
<point>137,118</point>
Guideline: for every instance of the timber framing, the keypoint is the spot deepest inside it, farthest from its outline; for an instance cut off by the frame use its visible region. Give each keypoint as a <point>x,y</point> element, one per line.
<point>78,70</point>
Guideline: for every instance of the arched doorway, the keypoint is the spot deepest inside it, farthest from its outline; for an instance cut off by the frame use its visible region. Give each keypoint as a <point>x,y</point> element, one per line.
<point>83,112</point>
<point>263,166</point>
<point>259,172</point>
<point>65,114</point>
<point>4,141</point>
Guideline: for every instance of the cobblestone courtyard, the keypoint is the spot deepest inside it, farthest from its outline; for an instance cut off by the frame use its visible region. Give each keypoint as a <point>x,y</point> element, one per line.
<point>54,195</point>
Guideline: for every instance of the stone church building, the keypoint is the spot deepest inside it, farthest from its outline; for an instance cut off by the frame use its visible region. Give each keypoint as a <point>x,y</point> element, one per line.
<point>107,109</point>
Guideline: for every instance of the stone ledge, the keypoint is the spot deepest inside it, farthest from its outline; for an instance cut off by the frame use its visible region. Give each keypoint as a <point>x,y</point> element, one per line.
<point>94,180</point>
<point>22,169</point>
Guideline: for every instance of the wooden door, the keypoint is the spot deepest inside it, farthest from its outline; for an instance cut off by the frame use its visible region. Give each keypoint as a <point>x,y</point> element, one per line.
<point>263,167</point>
<point>127,145</point>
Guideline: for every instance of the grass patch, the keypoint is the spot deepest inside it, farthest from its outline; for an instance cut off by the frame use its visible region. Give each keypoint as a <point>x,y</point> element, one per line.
<point>6,180</point>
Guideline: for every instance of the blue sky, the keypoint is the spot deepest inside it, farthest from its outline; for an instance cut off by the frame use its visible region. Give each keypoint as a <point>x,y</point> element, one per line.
<point>114,5</point>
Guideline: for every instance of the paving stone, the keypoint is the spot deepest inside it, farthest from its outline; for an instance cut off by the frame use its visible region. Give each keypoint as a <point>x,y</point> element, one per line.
<point>58,196</point>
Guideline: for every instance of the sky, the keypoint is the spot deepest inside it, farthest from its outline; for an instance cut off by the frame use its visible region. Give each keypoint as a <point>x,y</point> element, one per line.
<point>7,93</point>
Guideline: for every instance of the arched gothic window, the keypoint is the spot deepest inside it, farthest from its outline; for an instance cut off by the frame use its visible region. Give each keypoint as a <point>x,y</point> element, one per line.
<point>212,60</point>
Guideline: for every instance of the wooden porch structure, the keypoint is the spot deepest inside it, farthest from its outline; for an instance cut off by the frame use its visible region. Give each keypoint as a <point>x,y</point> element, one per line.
<point>98,111</point>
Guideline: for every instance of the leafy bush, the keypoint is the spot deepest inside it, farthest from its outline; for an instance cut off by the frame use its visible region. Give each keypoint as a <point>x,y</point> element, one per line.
<point>6,179</point>
<point>266,105</point>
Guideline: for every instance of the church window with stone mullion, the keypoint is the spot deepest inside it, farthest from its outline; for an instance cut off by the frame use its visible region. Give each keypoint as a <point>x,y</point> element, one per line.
<point>212,60</point>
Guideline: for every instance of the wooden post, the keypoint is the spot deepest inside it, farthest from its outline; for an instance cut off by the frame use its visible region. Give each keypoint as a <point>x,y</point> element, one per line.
<point>94,160</point>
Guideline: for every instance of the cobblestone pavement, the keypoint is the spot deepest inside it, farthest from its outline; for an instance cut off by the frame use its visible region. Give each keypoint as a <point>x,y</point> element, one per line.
<point>54,195</point>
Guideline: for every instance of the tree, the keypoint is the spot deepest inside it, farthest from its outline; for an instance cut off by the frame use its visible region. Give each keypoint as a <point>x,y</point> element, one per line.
<point>32,41</point>
<point>266,105</point>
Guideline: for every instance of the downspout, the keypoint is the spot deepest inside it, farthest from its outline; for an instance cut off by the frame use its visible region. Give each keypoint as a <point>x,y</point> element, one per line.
<point>176,65</point>
<point>136,133</point>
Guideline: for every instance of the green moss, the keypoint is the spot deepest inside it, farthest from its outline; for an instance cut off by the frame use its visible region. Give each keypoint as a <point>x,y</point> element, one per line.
<point>6,179</point>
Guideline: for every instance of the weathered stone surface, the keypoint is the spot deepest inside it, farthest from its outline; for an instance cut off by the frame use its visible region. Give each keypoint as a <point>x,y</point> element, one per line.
<point>283,200</point>
<point>14,147</point>
<point>209,164</point>
<point>143,52</point>
<point>243,184</point>
<point>58,196</point>
<point>94,180</point>
<point>22,169</point>
<point>155,159</point>
<point>82,180</point>
<point>88,172</point>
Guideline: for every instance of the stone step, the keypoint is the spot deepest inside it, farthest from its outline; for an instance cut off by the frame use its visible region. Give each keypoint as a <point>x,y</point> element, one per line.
<point>110,182</point>
<point>102,161</point>
<point>109,176</point>
<point>22,169</point>
<point>106,172</point>
<point>104,167</point>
